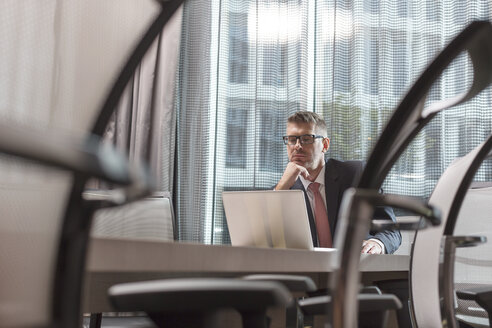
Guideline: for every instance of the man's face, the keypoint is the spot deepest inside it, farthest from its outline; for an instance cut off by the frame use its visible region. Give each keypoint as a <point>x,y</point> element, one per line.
<point>308,155</point>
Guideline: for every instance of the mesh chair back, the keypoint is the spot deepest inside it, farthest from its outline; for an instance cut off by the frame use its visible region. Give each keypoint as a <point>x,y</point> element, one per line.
<point>473,266</point>
<point>32,203</point>
<point>151,218</point>
<point>59,59</point>
<point>424,270</point>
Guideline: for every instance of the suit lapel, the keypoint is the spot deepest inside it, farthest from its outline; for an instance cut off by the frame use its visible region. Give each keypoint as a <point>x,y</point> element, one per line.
<point>332,188</point>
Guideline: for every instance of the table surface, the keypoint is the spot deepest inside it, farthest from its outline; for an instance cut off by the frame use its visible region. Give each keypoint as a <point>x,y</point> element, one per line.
<point>112,261</point>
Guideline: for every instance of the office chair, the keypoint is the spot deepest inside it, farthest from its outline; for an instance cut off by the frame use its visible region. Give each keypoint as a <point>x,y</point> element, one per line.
<point>42,269</point>
<point>51,93</point>
<point>311,301</point>
<point>472,284</point>
<point>151,218</point>
<point>299,286</point>
<point>431,279</point>
<point>408,119</point>
<point>472,266</point>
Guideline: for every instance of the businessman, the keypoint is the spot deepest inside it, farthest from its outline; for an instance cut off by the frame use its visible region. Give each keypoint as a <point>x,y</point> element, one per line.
<point>324,182</point>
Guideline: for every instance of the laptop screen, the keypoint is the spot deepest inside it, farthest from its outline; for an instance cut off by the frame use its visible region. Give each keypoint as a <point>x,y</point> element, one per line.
<point>267,218</point>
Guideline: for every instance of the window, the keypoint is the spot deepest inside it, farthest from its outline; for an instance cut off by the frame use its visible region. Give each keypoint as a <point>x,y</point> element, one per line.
<point>238,48</point>
<point>371,6</point>
<point>402,8</point>
<point>272,157</point>
<point>400,62</point>
<point>371,57</point>
<point>433,10</point>
<point>348,61</point>
<point>236,137</point>
<point>342,65</point>
<point>275,64</point>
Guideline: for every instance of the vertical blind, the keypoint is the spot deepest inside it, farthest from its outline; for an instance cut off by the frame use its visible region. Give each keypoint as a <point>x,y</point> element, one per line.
<point>245,66</point>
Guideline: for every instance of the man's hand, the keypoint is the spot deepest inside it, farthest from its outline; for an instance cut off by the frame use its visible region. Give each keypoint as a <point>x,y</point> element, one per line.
<point>371,247</point>
<point>291,173</point>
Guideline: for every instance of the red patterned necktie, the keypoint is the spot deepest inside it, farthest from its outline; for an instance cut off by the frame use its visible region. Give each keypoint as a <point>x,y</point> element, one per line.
<point>321,217</point>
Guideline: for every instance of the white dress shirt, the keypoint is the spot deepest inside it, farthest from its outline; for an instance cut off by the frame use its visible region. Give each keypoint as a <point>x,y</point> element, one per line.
<point>321,180</point>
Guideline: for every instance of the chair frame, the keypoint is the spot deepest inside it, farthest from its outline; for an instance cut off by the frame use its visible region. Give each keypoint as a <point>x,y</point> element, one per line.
<point>77,219</point>
<point>408,119</point>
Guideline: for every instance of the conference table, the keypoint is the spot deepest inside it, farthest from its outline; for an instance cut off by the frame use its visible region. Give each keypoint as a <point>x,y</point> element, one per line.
<point>112,261</point>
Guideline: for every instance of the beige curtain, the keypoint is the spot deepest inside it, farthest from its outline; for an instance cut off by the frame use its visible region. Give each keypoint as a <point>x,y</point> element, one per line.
<point>144,123</point>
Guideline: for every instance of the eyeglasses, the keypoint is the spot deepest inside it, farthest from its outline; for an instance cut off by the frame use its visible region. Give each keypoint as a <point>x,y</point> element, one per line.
<point>305,139</point>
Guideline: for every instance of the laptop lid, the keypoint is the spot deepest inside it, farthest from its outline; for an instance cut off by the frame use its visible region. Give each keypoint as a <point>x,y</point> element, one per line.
<point>267,218</point>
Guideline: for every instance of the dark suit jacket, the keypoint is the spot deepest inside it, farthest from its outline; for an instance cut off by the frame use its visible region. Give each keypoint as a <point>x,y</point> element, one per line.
<point>339,176</point>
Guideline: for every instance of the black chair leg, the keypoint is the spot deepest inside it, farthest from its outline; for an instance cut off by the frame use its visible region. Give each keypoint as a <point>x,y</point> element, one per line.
<point>294,318</point>
<point>95,320</point>
<point>399,288</point>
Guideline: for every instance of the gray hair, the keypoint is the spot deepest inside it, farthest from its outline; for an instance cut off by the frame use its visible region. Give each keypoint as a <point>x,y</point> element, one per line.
<point>309,117</point>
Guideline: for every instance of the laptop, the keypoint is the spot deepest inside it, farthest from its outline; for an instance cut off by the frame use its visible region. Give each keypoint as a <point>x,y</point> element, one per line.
<point>267,218</point>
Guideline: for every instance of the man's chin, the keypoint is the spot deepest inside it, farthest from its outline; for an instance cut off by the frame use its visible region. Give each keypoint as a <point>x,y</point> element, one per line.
<point>298,162</point>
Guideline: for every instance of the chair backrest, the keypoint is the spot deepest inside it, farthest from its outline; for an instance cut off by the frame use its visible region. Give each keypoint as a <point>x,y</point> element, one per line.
<point>426,250</point>
<point>151,218</point>
<point>32,201</point>
<point>473,265</point>
<point>59,62</point>
<point>408,119</point>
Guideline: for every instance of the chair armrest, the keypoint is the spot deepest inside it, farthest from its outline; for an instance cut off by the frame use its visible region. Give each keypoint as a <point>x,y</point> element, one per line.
<point>474,294</point>
<point>90,157</point>
<point>197,295</point>
<point>481,295</point>
<point>293,283</point>
<point>367,303</point>
<point>465,241</point>
<point>431,215</point>
<point>370,290</point>
<point>376,302</point>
